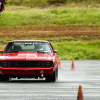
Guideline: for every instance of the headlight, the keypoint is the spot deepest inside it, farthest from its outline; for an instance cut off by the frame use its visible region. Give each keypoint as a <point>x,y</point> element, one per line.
<point>4,64</point>
<point>16,64</point>
<point>48,64</point>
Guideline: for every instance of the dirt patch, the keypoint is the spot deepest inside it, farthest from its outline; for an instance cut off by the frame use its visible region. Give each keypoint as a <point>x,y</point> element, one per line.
<point>82,33</point>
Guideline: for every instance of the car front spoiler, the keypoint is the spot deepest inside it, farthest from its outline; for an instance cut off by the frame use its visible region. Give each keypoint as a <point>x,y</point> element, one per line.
<point>25,71</point>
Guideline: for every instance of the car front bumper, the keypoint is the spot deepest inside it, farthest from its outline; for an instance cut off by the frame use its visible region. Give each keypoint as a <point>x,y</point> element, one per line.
<point>26,71</point>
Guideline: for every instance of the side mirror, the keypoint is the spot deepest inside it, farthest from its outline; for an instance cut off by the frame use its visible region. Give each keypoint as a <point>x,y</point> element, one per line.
<point>55,51</point>
<point>1,51</point>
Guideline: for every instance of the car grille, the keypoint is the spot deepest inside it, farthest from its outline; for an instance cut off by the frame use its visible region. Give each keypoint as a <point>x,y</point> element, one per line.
<point>26,64</point>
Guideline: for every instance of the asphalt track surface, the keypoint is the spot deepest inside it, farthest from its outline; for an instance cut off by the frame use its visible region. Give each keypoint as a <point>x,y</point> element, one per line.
<point>86,73</point>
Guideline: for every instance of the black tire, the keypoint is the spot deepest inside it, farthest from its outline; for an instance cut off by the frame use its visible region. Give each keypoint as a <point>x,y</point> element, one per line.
<point>1,78</point>
<point>4,78</point>
<point>57,73</point>
<point>48,78</point>
<point>53,77</point>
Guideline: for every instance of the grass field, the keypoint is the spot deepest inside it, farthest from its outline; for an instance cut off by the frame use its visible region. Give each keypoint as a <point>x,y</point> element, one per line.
<point>21,16</point>
<point>48,3</point>
<point>70,30</point>
<point>78,50</point>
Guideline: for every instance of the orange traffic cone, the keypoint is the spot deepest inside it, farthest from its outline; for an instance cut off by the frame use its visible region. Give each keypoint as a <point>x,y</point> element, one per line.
<point>72,65</point>
<point>59,63</point>
<point>80,94</point>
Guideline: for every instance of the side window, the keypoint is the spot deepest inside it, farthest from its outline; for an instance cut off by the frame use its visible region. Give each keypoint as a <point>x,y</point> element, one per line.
<point>9,47</point>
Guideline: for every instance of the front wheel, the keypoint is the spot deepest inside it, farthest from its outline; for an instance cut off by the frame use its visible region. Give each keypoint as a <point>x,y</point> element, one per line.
<point>4,78</point>
<point>57,73</point>
<point>1,77</point>
<point>53,77</point>
<point>48,78</point>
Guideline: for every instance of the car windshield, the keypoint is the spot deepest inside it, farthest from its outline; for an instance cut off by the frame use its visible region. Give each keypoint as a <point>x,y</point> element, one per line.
<point>28,46</point>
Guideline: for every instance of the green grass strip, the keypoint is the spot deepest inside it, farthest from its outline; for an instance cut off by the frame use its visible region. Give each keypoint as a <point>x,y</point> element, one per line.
<point>65,16</point>
<point>78,50</point>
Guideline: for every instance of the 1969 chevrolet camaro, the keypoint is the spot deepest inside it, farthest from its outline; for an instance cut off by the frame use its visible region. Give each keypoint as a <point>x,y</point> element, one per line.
<point>28,59</point>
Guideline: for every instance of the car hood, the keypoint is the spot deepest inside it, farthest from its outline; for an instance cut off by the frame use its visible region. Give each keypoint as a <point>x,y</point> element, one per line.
<point>27,55</point>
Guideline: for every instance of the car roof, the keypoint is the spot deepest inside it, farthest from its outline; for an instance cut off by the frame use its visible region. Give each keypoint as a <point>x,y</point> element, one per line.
<point>28,41</point>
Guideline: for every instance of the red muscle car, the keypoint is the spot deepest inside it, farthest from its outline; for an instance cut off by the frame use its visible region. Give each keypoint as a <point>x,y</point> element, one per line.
<point>28,59</point>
